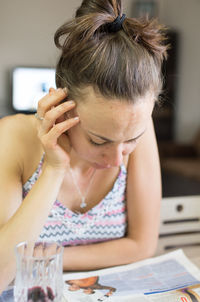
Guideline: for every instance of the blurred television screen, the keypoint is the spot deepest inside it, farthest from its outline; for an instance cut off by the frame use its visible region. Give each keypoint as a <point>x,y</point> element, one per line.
<point>29,85</point>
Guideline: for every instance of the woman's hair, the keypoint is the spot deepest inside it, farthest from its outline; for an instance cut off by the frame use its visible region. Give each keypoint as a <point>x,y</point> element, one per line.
<point>125,64</point>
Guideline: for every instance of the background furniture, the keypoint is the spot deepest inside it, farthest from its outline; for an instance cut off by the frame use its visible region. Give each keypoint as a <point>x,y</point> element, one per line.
<point>164,113</point>
<point>180,165</point>
<point>180,225</point>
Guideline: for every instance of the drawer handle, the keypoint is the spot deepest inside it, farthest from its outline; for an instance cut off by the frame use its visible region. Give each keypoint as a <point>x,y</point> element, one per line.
<point>181,220</point>
<point>179,208</point>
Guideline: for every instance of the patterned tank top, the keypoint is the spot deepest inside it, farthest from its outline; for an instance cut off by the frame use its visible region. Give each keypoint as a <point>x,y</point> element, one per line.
<point>106,221</point>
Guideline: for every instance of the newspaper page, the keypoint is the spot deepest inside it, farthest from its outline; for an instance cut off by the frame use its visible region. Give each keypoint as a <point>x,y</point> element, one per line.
<point>168,278</point>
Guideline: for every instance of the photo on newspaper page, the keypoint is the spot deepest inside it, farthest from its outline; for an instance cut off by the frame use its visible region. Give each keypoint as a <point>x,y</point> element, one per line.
<point>168,275</point>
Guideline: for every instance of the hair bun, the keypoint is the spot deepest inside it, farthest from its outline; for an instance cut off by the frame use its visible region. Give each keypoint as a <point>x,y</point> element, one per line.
<point>150,34</point>
<point>124,64</point>
<point>116,25</point>
<point>111,7</point>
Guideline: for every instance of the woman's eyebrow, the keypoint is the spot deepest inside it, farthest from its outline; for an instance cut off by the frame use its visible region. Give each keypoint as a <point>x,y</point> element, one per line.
<point>111,141</point>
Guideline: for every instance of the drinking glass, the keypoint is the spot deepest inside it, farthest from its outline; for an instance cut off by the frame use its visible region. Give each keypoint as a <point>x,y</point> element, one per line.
<point>39,272</point>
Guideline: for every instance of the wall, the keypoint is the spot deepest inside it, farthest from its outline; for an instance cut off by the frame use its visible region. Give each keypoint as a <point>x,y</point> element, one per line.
<point>26,36</point>
<point>184,16</point>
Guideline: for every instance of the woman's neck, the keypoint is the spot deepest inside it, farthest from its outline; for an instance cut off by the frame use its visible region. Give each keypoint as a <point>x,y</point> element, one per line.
<point>80,165</point>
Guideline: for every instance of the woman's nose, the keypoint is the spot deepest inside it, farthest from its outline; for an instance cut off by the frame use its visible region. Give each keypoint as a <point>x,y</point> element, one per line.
<point>114,156</point>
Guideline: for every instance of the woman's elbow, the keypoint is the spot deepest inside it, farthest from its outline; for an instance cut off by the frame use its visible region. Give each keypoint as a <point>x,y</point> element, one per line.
<point>142,249</point>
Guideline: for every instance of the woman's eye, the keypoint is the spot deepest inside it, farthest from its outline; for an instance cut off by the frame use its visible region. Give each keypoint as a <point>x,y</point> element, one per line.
<point>132,141</point>
<point>97,144</point>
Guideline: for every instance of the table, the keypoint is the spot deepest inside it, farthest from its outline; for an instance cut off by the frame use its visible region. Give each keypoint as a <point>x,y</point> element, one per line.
<point>193,253</point>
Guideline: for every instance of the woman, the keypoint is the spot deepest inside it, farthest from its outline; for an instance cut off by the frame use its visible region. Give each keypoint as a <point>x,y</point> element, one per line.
<point>85,170</point>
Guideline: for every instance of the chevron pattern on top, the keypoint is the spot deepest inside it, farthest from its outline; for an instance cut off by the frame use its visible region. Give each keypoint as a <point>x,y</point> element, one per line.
<point>106,221</point>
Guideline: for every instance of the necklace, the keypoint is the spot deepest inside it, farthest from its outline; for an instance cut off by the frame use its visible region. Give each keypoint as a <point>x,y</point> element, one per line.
<point>83,197</point>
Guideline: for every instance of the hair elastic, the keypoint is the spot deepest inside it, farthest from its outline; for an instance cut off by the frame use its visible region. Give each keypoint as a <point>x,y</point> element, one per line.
<point>116,25</point>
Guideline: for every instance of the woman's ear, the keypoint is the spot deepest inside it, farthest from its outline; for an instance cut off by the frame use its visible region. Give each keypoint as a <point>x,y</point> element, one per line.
<point>70,114</point>
<point>61,119</point>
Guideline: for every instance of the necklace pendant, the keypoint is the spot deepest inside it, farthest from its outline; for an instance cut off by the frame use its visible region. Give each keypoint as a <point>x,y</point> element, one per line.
<point>83,198</point>
<point>83,204</point>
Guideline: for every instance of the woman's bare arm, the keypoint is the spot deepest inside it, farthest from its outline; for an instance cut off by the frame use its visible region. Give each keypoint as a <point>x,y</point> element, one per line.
<point>21,221</point>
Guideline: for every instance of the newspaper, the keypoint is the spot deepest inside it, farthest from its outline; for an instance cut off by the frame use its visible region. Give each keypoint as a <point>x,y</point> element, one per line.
<point>168,278</point>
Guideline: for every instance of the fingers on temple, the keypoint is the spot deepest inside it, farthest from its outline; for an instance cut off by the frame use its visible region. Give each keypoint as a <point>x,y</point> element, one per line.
<point>53,114</point>
<point>50,138</point>
<point>51,90</point>
<point>53,98</point>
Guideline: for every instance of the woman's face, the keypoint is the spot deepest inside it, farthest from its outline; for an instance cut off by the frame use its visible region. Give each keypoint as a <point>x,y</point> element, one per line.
<point>108,129</point>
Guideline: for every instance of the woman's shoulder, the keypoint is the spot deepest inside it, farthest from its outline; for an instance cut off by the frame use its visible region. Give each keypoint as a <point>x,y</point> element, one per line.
<point>16,119</point>
<point>18,136</point>
<point>18,129</point>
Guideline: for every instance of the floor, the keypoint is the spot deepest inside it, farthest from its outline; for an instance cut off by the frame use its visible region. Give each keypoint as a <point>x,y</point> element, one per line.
<point>175,185</point>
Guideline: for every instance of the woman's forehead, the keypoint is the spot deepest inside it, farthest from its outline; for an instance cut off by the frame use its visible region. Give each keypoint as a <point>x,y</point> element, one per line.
<point>114,119</point>
<point>103,111</point>
<point>91,100</point>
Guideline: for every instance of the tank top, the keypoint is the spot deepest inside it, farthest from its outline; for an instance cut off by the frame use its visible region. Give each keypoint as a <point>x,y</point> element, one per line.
<point>105,221</point>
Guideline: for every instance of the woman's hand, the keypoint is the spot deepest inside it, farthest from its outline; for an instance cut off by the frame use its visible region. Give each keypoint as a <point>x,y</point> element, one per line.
<point>53,125</point>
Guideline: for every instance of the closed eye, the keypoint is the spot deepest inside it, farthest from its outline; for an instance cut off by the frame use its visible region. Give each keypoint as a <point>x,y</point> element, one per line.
<point>97,144</point>
<point>134,140</point>
<point>108,141</point>
<point>104,143</point>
